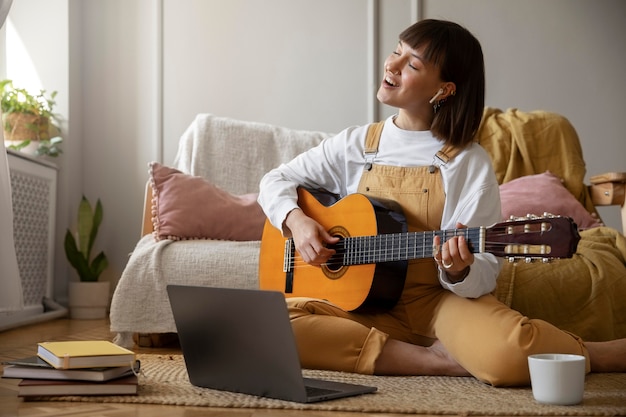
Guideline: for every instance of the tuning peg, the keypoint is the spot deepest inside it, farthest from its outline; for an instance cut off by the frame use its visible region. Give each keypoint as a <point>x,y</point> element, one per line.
<point>551,215</point>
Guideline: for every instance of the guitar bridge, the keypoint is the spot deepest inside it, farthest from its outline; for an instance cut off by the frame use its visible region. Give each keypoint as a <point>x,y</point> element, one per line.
<point>288,265</point>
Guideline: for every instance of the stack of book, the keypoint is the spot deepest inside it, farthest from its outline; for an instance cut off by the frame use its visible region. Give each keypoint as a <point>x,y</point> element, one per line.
<point>76,368</point>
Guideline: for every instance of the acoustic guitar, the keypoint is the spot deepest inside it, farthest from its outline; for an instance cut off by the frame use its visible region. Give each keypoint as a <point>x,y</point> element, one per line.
<point>369,267</point>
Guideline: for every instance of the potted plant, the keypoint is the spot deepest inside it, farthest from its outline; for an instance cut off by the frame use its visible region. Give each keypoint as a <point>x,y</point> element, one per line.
<point>28,120</point>
<point>88,298</point>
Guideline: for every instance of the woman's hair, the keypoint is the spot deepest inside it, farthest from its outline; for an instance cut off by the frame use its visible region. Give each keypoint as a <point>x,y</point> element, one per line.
<point>459,57</point>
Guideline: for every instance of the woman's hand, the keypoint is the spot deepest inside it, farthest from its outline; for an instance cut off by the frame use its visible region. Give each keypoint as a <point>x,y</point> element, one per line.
<point>310,238</point>
<point>454,256</point>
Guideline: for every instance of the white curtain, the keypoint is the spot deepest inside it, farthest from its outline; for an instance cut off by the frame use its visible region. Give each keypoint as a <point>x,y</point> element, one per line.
<point>11,298</point>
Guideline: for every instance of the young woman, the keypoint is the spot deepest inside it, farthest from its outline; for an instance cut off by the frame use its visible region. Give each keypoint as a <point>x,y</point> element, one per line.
<point>424,158</point>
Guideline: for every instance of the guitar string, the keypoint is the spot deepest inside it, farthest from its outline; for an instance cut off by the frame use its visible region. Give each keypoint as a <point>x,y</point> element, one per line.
<point>428,250</point>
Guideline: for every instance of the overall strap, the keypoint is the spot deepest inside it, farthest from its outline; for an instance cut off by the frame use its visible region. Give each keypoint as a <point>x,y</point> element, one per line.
<point>447,153</point>
<point>372,139</point>
<point>443,156</point>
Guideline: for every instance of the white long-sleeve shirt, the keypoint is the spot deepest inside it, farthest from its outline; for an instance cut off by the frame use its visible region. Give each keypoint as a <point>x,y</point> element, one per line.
<point>336,164</point>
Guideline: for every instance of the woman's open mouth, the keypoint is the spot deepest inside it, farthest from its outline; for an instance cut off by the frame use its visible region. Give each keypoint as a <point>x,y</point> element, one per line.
<point>390,82</point>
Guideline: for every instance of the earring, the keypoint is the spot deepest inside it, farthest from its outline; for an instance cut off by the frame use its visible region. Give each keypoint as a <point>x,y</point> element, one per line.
<point>438,105</point>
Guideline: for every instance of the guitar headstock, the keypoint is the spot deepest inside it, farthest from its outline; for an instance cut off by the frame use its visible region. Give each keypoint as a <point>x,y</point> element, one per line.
<point>533,237</point>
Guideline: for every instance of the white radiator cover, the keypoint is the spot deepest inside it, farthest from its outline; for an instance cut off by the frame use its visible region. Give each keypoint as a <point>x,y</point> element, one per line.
<point>34,185</point>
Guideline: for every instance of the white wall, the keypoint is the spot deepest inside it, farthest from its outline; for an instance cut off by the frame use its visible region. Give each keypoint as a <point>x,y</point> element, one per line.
<point>280,61</point>
<point>139,70</point>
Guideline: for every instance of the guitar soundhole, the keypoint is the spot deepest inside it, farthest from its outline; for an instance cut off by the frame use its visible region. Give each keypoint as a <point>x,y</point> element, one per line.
<point>334,267</point>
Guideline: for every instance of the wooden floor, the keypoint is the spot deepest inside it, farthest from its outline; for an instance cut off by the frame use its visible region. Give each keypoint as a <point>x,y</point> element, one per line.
<point>22,342</point>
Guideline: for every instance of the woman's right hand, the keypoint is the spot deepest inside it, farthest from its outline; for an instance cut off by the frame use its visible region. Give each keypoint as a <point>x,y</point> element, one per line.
<point>310,238</point>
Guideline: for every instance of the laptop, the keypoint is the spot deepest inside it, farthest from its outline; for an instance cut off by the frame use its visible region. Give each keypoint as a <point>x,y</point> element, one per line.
<point>241,341</point>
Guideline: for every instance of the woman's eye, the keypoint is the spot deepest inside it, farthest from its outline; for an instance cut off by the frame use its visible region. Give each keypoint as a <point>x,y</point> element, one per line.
<point>412,66</point>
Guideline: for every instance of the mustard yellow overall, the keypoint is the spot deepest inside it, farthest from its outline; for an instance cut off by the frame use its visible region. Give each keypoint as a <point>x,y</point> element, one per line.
<point>485,336</point>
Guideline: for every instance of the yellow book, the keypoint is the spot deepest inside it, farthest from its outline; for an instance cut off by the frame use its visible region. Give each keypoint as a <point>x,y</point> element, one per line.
<point>84,354</point>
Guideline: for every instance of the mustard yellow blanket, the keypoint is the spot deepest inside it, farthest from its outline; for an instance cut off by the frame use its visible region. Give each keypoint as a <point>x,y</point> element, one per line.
<point>527,143</point>
<point>585,295</point>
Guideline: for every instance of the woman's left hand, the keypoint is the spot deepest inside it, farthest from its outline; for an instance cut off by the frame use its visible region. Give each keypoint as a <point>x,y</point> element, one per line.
<point>454,256</point>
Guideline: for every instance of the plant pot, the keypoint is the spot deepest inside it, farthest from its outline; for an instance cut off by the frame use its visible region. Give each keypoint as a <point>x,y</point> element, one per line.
<point>30,149</point>
<point>89,300</point>
<point>23,126</point>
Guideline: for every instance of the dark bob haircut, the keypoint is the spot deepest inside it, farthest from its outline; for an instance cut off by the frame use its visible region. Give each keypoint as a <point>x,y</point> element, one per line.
<point>459,57</point>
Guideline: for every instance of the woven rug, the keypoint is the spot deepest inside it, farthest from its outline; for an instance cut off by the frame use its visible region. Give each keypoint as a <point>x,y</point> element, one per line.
<point>164,381</point>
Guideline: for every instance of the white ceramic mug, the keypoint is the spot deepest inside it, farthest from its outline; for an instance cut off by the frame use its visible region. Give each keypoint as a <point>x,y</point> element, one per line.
<point>557,378</point>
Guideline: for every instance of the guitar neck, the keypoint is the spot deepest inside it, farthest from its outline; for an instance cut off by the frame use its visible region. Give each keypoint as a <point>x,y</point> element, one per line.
<point>403,246</point>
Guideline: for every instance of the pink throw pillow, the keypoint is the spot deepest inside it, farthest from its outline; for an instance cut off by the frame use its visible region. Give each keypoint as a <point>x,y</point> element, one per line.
<point>536,194</point>
<point>189,207</point>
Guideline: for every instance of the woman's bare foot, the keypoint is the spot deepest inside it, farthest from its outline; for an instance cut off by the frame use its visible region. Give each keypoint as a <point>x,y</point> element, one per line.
<point>607,356</point>
<point>401,358</point>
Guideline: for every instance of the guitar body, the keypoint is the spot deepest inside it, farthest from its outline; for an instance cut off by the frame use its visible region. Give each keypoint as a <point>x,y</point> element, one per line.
<point>353,287</point>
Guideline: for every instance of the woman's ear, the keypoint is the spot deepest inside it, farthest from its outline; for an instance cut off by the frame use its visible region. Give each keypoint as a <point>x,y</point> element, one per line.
<point>449,89</point>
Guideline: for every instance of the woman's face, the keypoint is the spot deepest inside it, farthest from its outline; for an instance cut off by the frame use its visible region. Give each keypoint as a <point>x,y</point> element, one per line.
<point>409,81</point>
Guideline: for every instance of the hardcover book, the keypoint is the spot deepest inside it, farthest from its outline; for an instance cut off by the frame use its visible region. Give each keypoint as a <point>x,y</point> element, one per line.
<point>36,368</point>
<point>84,354</point>
<point>46,387</point>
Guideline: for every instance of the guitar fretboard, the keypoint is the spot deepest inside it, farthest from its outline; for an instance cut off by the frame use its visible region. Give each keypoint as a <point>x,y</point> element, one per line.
<point>391,247</point>
<point>402,246</point>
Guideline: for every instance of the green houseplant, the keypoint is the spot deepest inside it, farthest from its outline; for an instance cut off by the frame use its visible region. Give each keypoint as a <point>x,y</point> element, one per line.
<point>88,298</point>
<point>28,119</point>
<point>78,251</point>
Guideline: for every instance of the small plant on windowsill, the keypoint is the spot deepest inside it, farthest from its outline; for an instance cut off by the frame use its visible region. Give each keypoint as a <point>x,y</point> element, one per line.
<point>88,298</point>
<point>28,120</point>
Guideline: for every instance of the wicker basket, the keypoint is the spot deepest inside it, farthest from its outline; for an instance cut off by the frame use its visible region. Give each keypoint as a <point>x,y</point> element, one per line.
<point>23,126</point>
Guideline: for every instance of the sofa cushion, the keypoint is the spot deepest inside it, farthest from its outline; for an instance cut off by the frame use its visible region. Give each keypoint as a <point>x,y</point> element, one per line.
<point>536,194</point>
<point>190,207</point>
